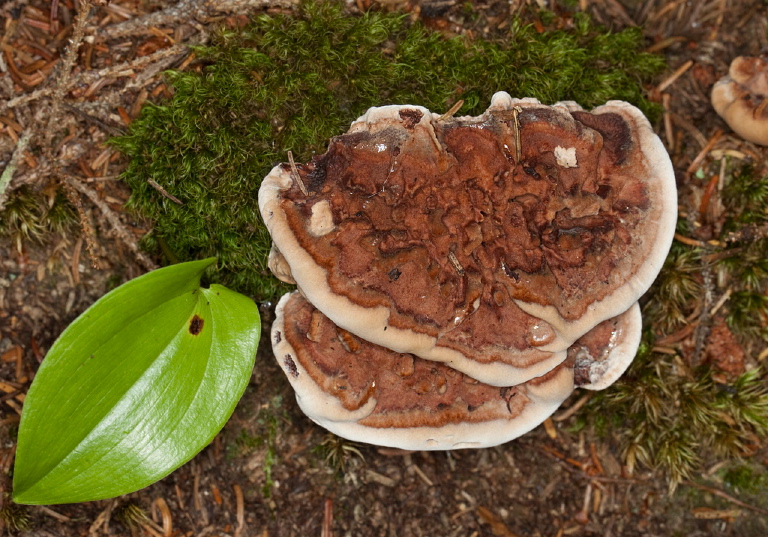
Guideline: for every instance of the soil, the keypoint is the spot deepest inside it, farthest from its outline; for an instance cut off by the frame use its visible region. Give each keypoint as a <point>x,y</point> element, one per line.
<point>271,471</point>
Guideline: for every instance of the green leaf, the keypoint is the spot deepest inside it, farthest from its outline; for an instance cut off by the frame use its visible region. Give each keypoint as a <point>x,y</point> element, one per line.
<point>135,387</point>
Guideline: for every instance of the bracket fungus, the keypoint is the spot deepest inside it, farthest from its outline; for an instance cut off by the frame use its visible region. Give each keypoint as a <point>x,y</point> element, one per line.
<point>367,393</point>
<point>508,248</point>
<point>741,98</point>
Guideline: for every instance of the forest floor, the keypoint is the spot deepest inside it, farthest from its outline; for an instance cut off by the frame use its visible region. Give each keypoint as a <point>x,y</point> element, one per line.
<point>271,471</point>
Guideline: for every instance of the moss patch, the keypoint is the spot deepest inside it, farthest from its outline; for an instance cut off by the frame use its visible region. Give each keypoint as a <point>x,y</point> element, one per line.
<point>667,413</point>
<point>292,82</point>
<point>32,215</point>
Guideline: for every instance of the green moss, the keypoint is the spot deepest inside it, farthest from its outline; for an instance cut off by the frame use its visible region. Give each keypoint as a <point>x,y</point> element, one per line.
<point>746,478</point>
<point>15,517</point>
<point>262,436</point>
<point>745,261</point>
<point>292,82</point>
<point>130,515</point>
<point>28,215</point>
<point>746,198</point>
<point>671,416</point>
<point>677,287</point>
<point>21,217</point>
<point>337,452</point>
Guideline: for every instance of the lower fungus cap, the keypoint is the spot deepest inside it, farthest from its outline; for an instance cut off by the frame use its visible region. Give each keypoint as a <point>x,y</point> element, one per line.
<point>491,243</point>
<point>367,393</point>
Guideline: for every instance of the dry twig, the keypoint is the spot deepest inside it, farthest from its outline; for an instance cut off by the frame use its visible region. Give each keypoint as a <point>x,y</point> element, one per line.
<point>112,218</point>
<point>674,76</point>
<point>240,506</point>
<point>726,496</point>
<point>125,69</point>
<point>295,175</point>
<point>164,192</point>
<point>327,518</point>
<point>60,88</point>
<point>166,516</point>
<point>90,242</point>
<point>10,169</point>
<point>570,411</point>
<point>185,10</point>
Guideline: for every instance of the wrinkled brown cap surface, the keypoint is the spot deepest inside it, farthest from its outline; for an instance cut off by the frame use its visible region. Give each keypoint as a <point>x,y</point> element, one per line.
<point>741,98</point>
<point>490,243</point>
<point>368,393</point>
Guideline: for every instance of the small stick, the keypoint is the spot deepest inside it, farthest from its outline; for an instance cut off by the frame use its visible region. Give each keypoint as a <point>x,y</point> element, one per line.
<point>596,459</point>
<point>690,127</point>
<point>165,513</point>
<point>676,337</point>
<point>90,243</point>
<point>164,192</point>
<point>704,205</point>
<point>327,518</point>
<point>702,328</point>
<point>680,71</point>
<point>102,178</point>
<point>455,263</point>
<point>109,129</point>
<point>573,408</point>
<point>582,517</point>
<point>518,144</point>
<point>196,492</point>
<point>180,497</point>
<point>184,10</point>
<point>664,350</point>
<point>10,169</point>
<point>549,427</point>
<point>455,108</point>
<point>240,510</point>
<point>87,77</point>
<point>150,527</point>
<point>216,494</point>
<point>750,233</point>
<point>696,162</point>
<point>76,261</point>
<point>668,128</point>
<point>422,475</point>
<point>690,242</point>
<point>664,43</point>
<point>719,21</point>
<point>295,175</point>
<point>54,514</point>
<point>725,496</point>
<point>719,304</point>
<point>70,58</point>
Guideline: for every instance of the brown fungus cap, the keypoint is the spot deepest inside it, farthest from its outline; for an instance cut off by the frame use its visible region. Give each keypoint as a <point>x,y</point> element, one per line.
<point>367,393</point>
<point>741,98</point>
<point>490,243</point>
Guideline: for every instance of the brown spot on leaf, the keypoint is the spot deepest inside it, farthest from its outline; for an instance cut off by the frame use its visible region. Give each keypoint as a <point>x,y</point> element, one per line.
<point>195,325</point>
